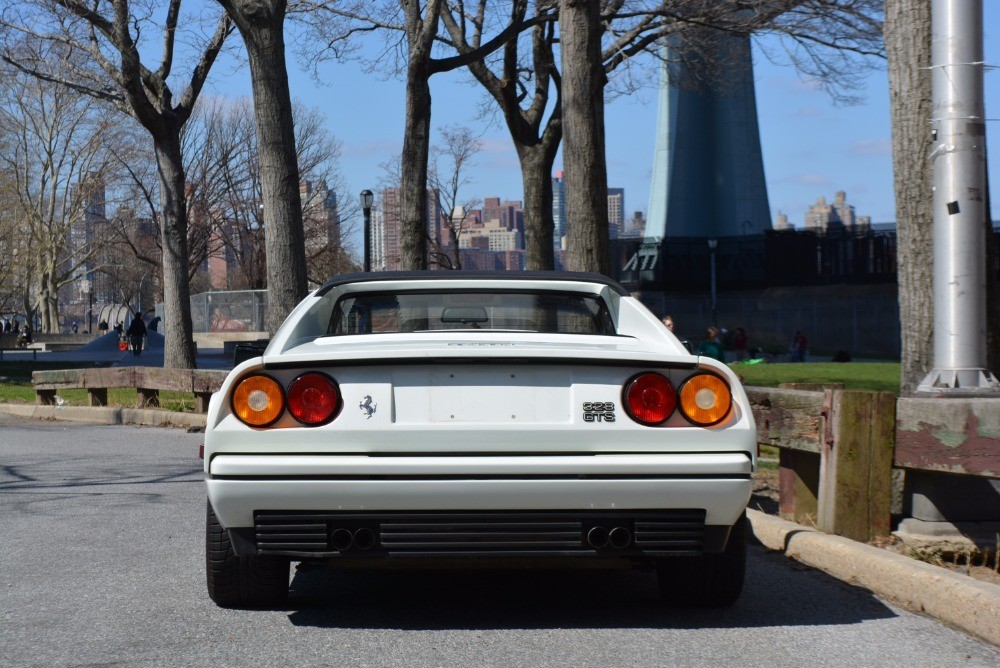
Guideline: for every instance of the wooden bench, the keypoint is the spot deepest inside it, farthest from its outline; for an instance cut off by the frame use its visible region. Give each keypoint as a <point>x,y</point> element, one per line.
<point>147,381</point>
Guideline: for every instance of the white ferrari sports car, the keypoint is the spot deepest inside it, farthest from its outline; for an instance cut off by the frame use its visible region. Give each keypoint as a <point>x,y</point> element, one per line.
<point>455,419</point>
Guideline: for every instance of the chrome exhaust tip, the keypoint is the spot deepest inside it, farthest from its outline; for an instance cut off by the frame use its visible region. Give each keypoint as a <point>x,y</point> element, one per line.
<point>341,539</point>
<point>620,538</point>
<point>597,537</point>
<point>364,539</point>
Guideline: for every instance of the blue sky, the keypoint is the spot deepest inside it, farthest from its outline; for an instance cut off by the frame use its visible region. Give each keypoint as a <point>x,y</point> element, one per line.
<point>812,147</point>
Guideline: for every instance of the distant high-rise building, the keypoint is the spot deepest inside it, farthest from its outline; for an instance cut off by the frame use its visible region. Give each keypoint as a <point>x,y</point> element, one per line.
<point>435,217</point>
<point>320,214</point>
<point>838,216</point>
<point>85,229</point>
<point>708,171</point>
<point>781,222</point>
<point>385,227</point>
<point>616,213</point>
<point>493,235</point>
<point>636,226</point>
<point>491,209</point>
<point>385,253</point>
<point>509,213</point>
<point>558,210</point>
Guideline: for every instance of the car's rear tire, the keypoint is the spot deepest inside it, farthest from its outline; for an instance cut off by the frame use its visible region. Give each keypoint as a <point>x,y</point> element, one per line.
<point>711,580</point>
<point>241,582</point>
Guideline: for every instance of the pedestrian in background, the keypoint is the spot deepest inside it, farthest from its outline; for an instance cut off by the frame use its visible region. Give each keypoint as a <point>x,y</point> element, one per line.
<point>799,348</point>
<point>740,344</point>
<point>136,333</point>
<point>711,346</point>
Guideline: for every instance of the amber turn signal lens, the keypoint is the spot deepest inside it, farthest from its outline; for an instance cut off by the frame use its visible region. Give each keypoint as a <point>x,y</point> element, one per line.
<point>705,399</point>
<point>258,401</point>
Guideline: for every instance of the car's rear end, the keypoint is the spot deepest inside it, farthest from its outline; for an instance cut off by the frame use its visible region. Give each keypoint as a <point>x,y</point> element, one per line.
<point>567,426</point>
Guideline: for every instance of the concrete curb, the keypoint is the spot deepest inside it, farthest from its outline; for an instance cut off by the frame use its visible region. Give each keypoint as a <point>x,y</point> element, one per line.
<point>958,600</point>
<point>101,415</point>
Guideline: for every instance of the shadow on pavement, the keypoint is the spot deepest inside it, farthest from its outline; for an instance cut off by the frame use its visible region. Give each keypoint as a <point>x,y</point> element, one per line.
<point>778,593</point>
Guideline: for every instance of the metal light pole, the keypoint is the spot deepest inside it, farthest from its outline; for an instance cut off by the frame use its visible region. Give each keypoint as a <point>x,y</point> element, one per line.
<point>367,198</point>
<point>87,286</point>
<point>958,129</point>
<point>712,245</point>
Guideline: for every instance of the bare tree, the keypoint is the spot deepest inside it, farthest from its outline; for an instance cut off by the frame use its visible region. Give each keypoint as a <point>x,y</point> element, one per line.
<point>224,168</point>
<point>59,160</point>
<point>523,91</point>
<point>13,286</point>
<point>261,24</point>
<point>450,161</point>
<point>100,41</point>
<point>412,30</point>
<point>325,211</point>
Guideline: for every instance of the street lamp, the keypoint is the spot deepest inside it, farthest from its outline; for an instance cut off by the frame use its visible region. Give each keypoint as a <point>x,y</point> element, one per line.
<point>712,245</point>
<point>367,198</point>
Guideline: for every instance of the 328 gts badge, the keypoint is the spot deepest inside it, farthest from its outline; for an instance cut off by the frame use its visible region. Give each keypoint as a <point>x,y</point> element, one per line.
<point>598,411</point>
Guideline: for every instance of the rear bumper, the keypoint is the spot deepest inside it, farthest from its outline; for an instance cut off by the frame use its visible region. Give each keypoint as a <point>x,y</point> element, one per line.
<point>717,483</point>
<point>387,539</point>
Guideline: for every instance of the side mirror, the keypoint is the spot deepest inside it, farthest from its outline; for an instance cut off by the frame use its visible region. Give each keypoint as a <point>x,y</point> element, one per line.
<point>248,350</point>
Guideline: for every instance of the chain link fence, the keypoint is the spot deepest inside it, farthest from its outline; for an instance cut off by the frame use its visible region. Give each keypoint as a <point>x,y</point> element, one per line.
<point>231,311</point>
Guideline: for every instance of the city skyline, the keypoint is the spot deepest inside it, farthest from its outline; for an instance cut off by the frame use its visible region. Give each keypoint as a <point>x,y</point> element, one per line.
<point>811,146</point>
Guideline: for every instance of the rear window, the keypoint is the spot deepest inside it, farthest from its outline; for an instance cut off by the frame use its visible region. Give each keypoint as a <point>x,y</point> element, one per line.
<point>470,310</point>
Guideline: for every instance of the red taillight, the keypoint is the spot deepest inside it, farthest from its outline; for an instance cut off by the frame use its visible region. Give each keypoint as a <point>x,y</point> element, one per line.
<point>650,398</point>
<point>313,399</point>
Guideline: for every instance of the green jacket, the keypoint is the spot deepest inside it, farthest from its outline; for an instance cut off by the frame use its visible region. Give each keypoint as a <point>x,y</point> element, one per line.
<point>711,349</point>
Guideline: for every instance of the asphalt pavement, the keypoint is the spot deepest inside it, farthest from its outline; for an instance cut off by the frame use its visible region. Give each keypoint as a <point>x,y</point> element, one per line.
<point>105,350</point>
<point>102,562</point>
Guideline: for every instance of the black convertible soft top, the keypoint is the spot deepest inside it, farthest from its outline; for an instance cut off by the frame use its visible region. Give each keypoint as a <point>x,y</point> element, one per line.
<point>579,276</point>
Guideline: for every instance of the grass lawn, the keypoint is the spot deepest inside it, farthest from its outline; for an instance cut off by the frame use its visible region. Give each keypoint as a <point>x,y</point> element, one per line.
<point>874,376</point>
<point>17,392</point>
<point>15,388</point>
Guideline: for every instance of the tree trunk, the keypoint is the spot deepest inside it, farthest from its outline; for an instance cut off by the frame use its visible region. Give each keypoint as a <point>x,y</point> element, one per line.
<point>50,306</point>
<point>583,80</point>
<point>536,177</point>
<point>178,347</point>
<point>416,150</point>
<point>46,295</point>
<point>261,24</point>
<point>908,49</point>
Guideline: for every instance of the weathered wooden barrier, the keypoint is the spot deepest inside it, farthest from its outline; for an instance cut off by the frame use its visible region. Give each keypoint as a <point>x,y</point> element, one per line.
<point>838,448</point>
<point>147,381</point>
